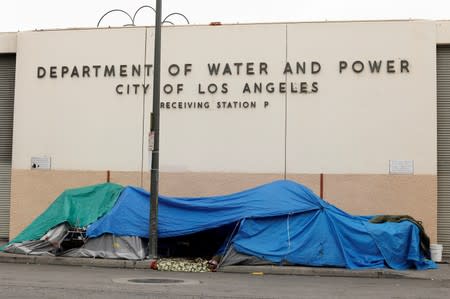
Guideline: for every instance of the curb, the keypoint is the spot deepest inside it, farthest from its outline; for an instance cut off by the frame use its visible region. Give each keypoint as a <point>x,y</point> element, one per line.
<point>313,271</point>
<point>72,261</point>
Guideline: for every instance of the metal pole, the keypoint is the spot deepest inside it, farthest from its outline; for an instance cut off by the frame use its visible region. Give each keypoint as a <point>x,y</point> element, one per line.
<point>154,180</point>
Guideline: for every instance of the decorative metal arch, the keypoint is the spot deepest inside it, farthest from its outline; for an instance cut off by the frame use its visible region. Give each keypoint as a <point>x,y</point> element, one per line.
<point>139,9</point>
<point>173,14</point>
<point>115,10</point>
<point>132,19</point>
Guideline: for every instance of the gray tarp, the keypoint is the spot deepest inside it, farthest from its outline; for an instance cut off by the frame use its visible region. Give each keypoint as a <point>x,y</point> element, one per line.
<point>105,246</point>
<point>111,247</point>
<point>47,245</point>
<point>232,257</point>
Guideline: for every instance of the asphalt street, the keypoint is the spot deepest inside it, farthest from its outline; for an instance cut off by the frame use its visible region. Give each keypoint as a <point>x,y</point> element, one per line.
<point>47,281</point>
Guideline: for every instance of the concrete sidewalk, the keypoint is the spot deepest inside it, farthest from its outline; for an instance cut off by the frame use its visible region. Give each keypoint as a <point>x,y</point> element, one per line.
<point>443,273</point>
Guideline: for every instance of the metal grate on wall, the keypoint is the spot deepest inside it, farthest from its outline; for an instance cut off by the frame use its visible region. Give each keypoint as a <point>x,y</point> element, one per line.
<point>443,146</point>
<point>7,81</point>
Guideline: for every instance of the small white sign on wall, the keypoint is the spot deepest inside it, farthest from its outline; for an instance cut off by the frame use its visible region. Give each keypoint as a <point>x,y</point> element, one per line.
<point>40,162</point>
<point>401,166</point>
<point>151,141</point>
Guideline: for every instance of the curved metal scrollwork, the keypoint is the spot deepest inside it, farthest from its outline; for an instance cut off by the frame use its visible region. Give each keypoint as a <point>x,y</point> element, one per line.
<point>115,10</point>
<point>139,9</point>
<point>175,14</point>
<point>132,19</point>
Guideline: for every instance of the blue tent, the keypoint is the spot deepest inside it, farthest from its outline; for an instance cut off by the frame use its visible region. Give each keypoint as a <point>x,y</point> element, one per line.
<point>280,222</point>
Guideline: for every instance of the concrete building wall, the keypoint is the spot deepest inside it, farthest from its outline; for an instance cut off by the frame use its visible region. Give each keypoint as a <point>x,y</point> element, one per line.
<point>443,32</point>
<point>349,123</point>
<point>8,42</point>
<point>79,122</point>
<point>358,122</point>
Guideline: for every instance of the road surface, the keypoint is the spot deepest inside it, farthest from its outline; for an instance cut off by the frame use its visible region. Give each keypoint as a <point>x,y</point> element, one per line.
<point>44,281</point>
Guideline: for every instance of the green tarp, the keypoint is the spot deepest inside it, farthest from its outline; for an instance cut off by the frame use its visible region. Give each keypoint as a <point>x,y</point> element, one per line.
<point>78,207</point>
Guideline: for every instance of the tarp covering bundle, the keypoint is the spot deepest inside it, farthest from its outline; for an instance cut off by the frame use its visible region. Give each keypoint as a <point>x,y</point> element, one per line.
<point>282,222</point>
<point>77,207</point>
<point>181,216</point>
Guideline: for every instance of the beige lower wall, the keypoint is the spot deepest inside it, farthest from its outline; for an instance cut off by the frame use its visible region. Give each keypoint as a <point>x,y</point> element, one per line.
<point>196,184</point>
<point>33,191</point>
<point>414,195</point>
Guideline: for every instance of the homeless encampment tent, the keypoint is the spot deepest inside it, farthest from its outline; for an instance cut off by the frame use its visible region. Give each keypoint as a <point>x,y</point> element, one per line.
<point>280,223</point>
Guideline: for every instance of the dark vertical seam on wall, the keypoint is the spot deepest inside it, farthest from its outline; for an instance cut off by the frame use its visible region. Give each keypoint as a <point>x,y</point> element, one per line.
<point>285,107</point>
<point>143,111</point>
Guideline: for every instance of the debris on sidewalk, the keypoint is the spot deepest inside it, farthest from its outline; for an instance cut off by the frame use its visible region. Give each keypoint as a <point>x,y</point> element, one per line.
<point>181,265</point>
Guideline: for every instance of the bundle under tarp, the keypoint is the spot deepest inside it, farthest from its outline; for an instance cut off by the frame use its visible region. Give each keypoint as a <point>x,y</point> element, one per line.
<point>330,237</point>
<point>77,207</point>
<point>282,222</point>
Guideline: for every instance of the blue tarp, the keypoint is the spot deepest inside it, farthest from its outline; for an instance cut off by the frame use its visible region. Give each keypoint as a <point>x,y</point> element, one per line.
<point>280,222</point>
